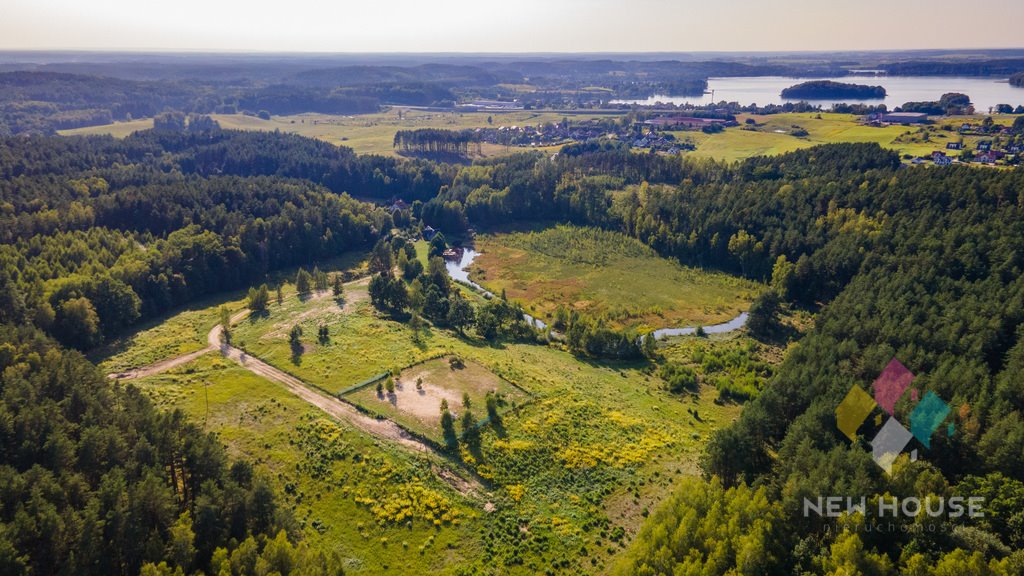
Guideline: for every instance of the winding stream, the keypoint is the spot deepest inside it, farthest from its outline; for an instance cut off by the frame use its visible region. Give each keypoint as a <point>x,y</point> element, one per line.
<point>459,271</point>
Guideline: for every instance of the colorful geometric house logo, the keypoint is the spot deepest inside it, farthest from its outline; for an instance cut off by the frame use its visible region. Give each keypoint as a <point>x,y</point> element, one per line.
<point>890,440</point>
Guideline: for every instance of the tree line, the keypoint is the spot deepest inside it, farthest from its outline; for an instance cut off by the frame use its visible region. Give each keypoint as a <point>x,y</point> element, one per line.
<point>436,141</point>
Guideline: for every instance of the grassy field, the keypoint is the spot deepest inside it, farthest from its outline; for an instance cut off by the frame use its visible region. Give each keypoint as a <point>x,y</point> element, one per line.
<point>361,345</point>
<point>381,509</point>
<point>374,133</point>
<point>364,133</point>
<point>185,329</point>
<point>570,474</point>
<point>771,135</point>
<point>177,333</point>
<point>419,390</point>
<point>605,274</point>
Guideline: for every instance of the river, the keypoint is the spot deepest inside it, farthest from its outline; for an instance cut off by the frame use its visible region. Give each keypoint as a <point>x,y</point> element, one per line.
<point>762,90</point>
<point>459,271</point>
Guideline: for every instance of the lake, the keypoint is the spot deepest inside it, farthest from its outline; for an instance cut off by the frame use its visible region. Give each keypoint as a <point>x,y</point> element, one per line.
<point>762,90</point>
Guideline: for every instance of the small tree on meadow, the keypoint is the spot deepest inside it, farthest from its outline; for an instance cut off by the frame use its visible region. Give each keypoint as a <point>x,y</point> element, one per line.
<point>491,401</point>
<point>470,432</point>
<point>319,279</point>
<point>225,323</point>
<point>448,426</point>
<point>303,281</point>
<point>258,298</point>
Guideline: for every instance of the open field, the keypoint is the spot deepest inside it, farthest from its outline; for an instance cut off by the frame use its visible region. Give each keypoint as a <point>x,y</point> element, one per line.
<point>374,133</point>
<point>180,332</point>
<point>365,133</point>
<point>419,390</point>
<point>382,509</point>
<point>771,135</point>
<point>576,468</point>
<point>605,274</point>
<point>361,345</point>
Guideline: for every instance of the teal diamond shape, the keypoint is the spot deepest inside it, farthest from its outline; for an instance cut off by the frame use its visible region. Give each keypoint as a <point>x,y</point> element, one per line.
<point>927,417</point>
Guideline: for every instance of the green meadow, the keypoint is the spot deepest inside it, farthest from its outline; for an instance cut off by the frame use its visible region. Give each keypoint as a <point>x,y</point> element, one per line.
<point>605,274</point>
<point>771,135</point>
<point>364,133</point>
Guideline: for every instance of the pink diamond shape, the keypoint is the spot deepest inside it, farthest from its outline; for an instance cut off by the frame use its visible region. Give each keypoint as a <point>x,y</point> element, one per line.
<point>891,384</point>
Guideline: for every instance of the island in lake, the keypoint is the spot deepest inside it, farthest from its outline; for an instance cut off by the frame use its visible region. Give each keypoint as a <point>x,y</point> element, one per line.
<point>824,89</point>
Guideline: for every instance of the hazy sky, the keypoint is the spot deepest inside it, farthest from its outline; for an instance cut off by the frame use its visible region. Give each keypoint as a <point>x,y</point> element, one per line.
<point>509,26</point>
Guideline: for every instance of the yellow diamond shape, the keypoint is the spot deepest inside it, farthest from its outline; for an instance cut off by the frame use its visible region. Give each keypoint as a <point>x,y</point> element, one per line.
<point>852,411</point>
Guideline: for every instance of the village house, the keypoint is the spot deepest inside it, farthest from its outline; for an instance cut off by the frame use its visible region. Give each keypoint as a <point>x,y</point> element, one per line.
<point>989,157</point>
<point>940,158</point>
<point>954,146</point>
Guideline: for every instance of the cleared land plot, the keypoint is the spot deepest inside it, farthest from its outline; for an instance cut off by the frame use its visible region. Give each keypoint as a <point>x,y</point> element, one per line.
<point>418,408</point>
<point>600,441</point>
<point>185,329</point>
<point>382,509</point>
<point>361,344</point>
<point>605,274</point>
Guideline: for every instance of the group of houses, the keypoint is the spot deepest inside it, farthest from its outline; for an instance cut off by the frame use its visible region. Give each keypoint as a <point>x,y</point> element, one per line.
<point>543,135</point>
<point>985,152</point>
<point>650,135</point>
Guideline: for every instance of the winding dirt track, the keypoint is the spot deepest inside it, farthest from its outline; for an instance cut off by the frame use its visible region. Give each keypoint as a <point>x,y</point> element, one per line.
<point>383,429</point>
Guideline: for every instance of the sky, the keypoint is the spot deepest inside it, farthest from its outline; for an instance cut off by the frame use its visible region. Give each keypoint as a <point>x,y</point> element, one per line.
<point>508,26</point>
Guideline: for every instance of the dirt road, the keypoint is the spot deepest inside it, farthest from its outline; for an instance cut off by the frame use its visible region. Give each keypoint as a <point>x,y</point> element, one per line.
<point>383,429</point>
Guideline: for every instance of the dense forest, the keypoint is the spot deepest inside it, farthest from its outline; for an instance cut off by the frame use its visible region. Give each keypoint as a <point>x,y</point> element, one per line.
<point>824,89</point>
<point>921,265</point>
<point>943,67</point>
<point>95,480</point>
<point>41,102</point>
<point>99,233</point>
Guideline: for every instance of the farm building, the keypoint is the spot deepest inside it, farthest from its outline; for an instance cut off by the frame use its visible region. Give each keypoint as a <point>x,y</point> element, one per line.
<point>904,117</point>
<point>684,122</point>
